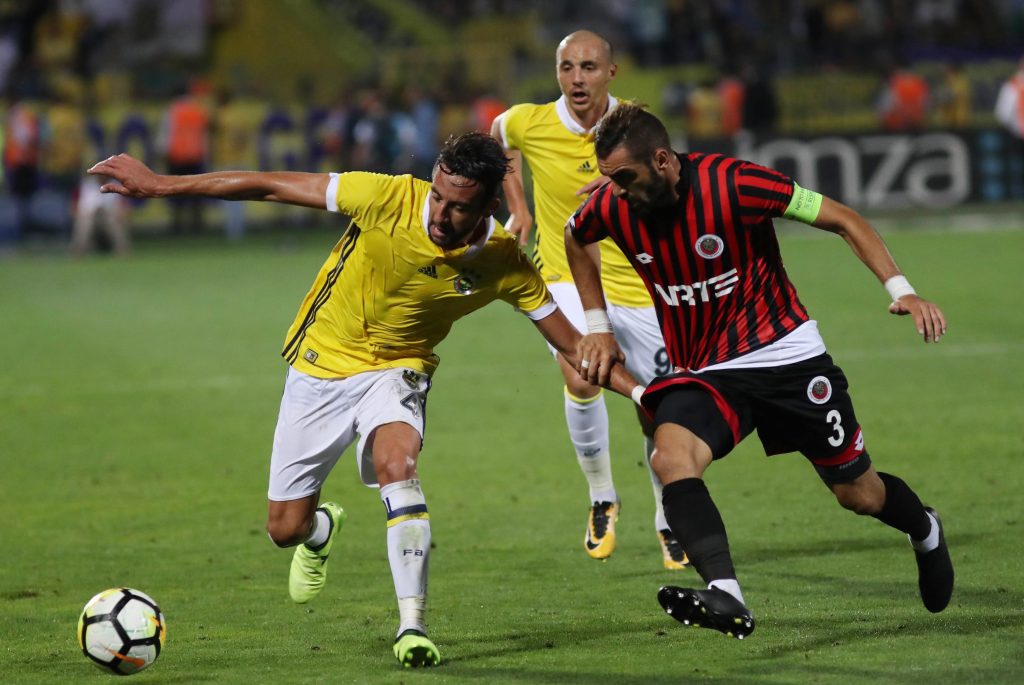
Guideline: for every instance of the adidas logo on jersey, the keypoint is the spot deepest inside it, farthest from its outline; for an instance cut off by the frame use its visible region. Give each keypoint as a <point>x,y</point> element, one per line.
<point>428,271</point>
<point>585,168</point>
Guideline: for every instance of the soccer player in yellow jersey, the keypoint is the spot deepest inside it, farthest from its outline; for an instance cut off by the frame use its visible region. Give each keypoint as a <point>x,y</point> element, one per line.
<point>555,140</point>
<point>416,257</point>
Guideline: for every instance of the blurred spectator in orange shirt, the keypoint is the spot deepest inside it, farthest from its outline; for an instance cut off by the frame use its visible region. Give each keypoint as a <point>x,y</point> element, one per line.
<point>185,139</point>
<point>904,102</point>
<point>21,161</point>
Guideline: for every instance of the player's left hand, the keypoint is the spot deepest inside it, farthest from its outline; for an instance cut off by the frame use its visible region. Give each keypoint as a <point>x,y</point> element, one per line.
<point>929,319</point>
<point>596,354</point>
<point>592,186</point>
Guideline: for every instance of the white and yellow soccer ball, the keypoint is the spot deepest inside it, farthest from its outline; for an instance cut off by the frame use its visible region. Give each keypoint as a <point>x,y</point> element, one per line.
<point>122,630</point>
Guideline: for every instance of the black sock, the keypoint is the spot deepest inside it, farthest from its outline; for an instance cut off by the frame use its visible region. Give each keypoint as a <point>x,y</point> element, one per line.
<point>697,525</point>
<point>903,509</point>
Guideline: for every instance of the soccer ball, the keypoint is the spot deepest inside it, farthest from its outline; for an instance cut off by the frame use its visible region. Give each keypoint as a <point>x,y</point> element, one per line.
<point>122,630</point>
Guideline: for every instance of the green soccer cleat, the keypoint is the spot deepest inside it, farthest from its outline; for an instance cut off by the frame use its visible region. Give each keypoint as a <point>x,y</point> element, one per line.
<point>309,568</point>
<point>413,649</point>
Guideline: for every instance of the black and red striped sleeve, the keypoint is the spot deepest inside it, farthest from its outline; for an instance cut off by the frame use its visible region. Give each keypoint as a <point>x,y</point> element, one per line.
<point>587,223</point>
<point>763,193</point>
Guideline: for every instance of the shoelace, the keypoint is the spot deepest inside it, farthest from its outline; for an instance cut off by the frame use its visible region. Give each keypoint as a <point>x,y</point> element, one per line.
<point>600,517</point>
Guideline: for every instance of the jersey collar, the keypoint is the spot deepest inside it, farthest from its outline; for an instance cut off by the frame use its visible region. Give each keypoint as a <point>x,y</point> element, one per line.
<point>565,116</point>
<point>472,249</point>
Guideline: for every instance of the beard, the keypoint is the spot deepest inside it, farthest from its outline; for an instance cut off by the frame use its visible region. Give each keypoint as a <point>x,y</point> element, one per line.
<point>658,196</point>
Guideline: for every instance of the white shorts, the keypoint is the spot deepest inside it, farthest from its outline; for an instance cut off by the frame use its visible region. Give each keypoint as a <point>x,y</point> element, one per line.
<point>636,330</point>
<point>320,418</point>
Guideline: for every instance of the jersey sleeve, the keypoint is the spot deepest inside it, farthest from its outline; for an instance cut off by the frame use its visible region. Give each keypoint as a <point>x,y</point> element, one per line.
<point>586,224</point>
<point>764,193</point>
<point>523,287</point>
<point>514,123</point>
<point>367,197</point>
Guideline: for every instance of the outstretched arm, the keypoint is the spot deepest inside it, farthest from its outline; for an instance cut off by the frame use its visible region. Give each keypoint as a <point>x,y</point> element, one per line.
<point>598,350</point>
<point>135,179</point>
<point>520,221</point>
<point>869,247</point>
<point>565,338</point>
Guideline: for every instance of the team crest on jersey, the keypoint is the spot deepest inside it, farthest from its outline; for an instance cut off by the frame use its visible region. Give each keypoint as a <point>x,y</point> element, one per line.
<point>467,282</point>
<point>819,390</point>
<point>310,355</point>
<point>709,246</point>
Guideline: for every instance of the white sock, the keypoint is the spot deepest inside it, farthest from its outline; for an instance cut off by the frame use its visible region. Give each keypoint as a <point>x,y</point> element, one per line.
<point>730,585</point>
<point>587,420</point>
<point>660,522</point>
<point>408,550</point>
<point>319,531</point>
<point>930,542</point>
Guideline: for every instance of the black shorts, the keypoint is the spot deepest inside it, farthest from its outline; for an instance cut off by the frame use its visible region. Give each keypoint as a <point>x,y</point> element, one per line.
<point>803,407</point>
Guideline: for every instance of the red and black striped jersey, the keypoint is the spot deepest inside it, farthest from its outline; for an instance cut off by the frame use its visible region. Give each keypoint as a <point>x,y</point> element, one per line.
<point>711,261</point>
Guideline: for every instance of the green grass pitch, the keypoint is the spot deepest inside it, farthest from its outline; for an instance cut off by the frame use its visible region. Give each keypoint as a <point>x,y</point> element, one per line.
<point>138,404</point>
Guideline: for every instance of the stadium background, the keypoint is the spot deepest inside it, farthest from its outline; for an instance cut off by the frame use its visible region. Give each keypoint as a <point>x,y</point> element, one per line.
<point>138,395</point>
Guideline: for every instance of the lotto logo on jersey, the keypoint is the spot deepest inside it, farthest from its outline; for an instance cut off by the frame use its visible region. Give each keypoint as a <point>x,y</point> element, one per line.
<point>701,291</point>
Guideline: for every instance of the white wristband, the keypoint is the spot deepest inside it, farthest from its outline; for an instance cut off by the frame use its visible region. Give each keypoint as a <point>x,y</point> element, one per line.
<point>597,321</point>
<point>898,286</point>
<point>638,391</point>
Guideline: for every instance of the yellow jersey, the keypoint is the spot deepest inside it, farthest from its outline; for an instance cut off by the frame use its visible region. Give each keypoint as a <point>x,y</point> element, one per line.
<point>561,156</point>
<point>387,295</point>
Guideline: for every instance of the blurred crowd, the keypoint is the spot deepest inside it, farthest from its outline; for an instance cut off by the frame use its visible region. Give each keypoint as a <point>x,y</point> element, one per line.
<point>82,79</point>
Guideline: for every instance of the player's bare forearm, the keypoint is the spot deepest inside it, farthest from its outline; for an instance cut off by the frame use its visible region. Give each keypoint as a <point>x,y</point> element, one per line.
<point>135,179</point>
<point>864,240</point>
<point>520,221</point>
<point>585,265</point>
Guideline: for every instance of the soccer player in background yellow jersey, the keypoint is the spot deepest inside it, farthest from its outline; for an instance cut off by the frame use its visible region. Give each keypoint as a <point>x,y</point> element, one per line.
<point>416,257</point>
<point>554,138</point>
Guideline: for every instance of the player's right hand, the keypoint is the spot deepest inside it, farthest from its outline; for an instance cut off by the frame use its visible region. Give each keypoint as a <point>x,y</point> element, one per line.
<point>597,354</point>
<point>136,179</point>
<point>519,224</point>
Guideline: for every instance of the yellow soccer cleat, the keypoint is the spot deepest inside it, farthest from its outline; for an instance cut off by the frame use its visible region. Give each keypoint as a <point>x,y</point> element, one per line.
<point>413,649</point>
<point>672,554</point>
<point>309,568</point>
<point>600,538</point>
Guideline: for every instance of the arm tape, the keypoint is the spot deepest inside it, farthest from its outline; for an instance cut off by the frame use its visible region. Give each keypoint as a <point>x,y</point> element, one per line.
<point>804,205</point>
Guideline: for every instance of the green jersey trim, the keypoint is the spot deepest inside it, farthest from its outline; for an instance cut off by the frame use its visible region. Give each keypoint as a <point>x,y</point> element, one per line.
<point>804,206</point>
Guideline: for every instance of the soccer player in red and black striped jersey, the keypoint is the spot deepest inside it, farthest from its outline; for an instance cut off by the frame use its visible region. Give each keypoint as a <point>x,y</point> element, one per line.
<point>747,356</point>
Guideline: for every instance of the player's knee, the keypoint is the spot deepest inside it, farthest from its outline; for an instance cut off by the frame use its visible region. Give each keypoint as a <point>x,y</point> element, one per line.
<point>858,500</point>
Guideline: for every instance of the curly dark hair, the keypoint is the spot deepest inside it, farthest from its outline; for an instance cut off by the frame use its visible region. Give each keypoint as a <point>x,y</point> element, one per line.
<point>630,124</point>
<point>476,156</point>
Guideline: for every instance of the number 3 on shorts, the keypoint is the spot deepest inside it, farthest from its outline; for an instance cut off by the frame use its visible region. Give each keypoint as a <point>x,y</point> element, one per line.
<point>836,419</point>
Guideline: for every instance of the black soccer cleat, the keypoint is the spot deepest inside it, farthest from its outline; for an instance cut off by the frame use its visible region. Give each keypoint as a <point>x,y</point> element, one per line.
<point>935,572</point>
<point>711,608</point>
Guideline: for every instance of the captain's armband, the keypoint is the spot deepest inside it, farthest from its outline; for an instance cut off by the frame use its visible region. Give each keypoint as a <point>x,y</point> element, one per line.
<point>804,205</point>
